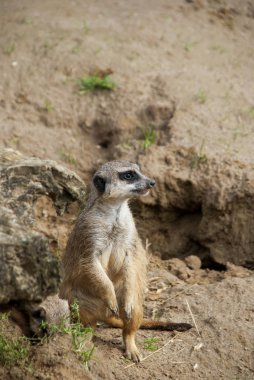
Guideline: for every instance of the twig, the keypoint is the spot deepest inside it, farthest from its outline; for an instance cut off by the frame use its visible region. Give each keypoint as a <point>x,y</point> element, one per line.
<point>155,352</point>
<point>192,316</point>
<point>182,291</point>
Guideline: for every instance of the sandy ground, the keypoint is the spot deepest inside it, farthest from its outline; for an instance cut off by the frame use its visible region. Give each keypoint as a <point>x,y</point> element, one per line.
<point>184,68</point>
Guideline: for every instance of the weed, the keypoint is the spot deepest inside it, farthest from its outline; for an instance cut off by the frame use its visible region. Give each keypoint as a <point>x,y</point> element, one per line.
<point>199,158</point>
<point>86,28</point>
<point>95,82</point>
<point>251,112</point>
<point>75,50</point>
<point>25,21</point>
<point>8,50</point>
<point>189,45</point>
<point>80,335</point>
<point>48,106</point>
<point>218,48</point>
<point>150,344</point>
<point>201,97</point>
<point>69,158</point>
<point>149,137</point>
<point>12,350</point>
<point>14,140</point>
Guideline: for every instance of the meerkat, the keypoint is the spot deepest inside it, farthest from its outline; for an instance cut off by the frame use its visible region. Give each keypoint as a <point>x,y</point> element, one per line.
<point>105,263</point>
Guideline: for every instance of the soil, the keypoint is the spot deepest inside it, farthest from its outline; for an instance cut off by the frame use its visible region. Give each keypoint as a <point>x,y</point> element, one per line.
<point>183,69</point>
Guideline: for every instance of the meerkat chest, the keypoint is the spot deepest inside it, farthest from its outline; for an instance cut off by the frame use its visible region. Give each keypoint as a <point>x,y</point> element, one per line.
<point>115,241</point>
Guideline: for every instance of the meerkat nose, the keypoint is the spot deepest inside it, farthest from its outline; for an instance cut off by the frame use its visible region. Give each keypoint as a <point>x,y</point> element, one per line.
<point>151,183</point>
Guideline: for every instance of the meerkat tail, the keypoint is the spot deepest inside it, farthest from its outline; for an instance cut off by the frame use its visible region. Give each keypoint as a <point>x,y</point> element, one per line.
<point>149,324</point>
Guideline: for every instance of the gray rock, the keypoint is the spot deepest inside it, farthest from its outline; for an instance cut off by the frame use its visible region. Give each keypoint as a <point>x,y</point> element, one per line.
<point>28,271</point>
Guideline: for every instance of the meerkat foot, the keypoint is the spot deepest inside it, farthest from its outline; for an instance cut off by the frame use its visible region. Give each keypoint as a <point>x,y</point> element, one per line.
<point>131,350</point>
<point>132,353</point>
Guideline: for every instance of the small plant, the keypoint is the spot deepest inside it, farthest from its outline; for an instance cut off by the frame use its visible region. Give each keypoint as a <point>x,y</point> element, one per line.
<point>201,97</point>
<point>86,28</point>
<point>75,50</point>
<point>218,48</point>
<point>69,158</point>
<point>95,82</point>
<point>150,344</point>
<point>149,137</point>
<point>189,45</point>
<point>48,106</point>
<point>12,350</point>
<point>199,158</point>
<point>251,112</point>
<point>8,50</point>
<point>80,335</point>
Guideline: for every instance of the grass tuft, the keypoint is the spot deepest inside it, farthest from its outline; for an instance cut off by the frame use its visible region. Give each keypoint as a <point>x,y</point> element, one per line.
<point>95,82</point>
<point>199,158</point>
<point>201,97</point>
<point>80,335</point>
<point>8,50</point>
<point>149,137</point>
<point>13,351</point>
<point>150,344</point>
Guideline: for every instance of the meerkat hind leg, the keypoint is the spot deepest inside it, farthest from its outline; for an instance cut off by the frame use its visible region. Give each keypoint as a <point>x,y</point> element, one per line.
<point>131,350</point>
<point>129,328</point>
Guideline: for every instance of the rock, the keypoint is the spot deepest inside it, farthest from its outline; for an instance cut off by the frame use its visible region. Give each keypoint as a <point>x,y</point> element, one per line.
<point>193,262</point>
<point>179,268</point>
<point>28,271</point>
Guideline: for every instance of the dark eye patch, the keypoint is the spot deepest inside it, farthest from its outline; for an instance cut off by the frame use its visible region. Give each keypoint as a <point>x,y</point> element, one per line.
<point>130,176</point>
<point>99,183</point>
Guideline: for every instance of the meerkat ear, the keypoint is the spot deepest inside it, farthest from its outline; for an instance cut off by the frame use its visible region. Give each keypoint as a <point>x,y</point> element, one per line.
<point>99,183</point>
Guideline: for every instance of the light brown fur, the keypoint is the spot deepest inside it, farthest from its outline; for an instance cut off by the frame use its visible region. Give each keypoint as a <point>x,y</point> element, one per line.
<point>105,263</point>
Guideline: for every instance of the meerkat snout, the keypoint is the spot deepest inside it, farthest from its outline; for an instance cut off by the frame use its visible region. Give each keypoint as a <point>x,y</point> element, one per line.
<point>151,183</point>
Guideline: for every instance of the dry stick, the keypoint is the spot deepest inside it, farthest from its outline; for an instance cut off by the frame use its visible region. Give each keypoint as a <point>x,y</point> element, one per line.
<point>182,291</point>
<point>155,352</point>
<point>192,316</point>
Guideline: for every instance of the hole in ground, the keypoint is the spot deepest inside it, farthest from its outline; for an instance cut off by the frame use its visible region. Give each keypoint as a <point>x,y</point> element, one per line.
<point>209,263</point>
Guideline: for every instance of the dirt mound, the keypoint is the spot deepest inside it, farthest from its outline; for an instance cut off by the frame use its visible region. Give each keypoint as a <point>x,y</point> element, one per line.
<point>202,206</point>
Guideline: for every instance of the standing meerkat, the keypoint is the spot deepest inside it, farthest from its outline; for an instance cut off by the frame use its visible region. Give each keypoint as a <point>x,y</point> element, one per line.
<point>105,263</point>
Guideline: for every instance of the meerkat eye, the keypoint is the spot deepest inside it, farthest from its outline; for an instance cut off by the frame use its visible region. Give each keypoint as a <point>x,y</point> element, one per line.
<point>128,176</point>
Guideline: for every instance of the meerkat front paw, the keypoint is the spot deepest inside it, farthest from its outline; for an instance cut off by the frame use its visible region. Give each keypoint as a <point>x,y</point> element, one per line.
<point>112,304</point>
<point>128,311</point>
<point>114,309</point>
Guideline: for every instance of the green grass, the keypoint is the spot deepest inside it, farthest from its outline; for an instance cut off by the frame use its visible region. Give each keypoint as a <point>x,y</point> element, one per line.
<point>86,28</point>
<point>199,158</point>
<point>201,97</point>
<point>94,82</point>
<point>69,158</point>
<point>13,351</point>
<point>48,106</point>
<point>149,137</point>
<point>189,45</point>
<point>150,344</point>
<point>251,112</point>
<point>80,335</point>
<point>8,50</point>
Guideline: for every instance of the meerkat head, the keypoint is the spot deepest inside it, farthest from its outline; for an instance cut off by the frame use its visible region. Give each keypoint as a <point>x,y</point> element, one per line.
<point>121,180</point>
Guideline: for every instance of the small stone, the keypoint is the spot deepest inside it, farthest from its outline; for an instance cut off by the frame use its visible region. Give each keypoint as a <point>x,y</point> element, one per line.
<point>193,262</point>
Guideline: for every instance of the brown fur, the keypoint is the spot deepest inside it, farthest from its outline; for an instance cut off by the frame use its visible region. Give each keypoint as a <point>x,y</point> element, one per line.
<point>105,263</point>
